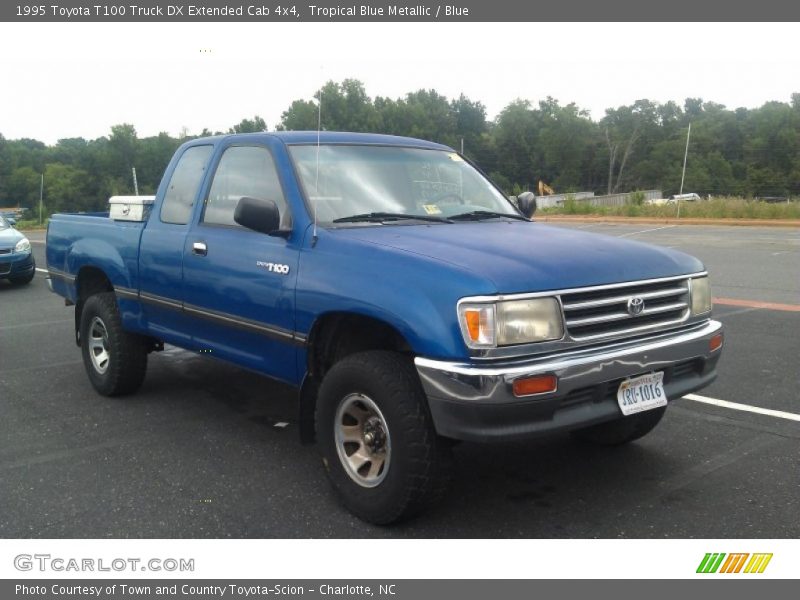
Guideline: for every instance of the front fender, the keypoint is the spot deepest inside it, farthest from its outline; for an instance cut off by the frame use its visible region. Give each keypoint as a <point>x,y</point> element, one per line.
<point>416,295</point>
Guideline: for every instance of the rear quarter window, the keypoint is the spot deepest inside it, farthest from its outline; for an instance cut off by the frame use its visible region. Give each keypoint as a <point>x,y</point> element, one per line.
<point>183,185</point>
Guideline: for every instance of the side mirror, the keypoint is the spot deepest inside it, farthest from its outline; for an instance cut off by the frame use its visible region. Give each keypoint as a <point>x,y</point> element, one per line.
<point>526,202</point>
<point>11,221</point>
<point>259,215</point>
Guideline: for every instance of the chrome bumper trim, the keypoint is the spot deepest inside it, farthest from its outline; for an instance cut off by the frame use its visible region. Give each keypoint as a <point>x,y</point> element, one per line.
<point>481,383</point>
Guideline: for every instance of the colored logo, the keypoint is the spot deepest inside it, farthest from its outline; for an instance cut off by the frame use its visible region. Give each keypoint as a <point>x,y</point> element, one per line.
<point>743,562</point>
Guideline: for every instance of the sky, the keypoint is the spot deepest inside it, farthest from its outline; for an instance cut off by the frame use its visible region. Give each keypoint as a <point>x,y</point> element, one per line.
<point>61,80</point>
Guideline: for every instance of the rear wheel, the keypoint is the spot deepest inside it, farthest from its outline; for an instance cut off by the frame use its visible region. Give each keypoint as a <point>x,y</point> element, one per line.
<point>621,431</point>
<point>377,440</point>
<point>115,360</point>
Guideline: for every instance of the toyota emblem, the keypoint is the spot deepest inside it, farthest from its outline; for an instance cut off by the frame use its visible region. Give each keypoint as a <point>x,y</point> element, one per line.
<point>635,306</point>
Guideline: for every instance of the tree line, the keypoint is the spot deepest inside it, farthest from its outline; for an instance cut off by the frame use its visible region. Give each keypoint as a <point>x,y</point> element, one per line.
<point>736,152</point>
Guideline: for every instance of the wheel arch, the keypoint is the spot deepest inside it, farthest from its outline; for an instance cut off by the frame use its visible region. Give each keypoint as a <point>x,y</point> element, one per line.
<point>333,336</point>
<point>89,281</point>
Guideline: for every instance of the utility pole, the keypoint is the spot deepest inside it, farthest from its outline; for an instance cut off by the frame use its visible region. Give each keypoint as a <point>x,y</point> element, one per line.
<point>462,145</point>
<point>683,175</point>
<point>41,194</point>
<point>135,183</point>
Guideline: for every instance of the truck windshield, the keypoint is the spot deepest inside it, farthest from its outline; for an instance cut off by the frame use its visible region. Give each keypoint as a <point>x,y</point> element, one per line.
<point>360,181</point>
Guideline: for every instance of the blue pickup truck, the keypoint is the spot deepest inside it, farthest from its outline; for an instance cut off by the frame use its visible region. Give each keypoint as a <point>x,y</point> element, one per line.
<point>409,302</point>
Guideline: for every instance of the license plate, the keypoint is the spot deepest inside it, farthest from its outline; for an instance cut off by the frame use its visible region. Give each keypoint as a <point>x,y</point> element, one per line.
<point>641,393</point>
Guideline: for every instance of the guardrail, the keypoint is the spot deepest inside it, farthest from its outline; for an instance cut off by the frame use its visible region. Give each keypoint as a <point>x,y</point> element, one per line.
<point>590,198</point>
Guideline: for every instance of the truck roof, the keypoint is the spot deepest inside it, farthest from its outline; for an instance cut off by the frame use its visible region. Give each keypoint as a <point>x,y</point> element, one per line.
<point>336,137</point>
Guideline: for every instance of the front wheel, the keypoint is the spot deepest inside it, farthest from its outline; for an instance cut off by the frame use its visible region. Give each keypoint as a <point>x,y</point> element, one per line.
<point>377,439</point>
<point>115,360</point>
<point>621,431</point>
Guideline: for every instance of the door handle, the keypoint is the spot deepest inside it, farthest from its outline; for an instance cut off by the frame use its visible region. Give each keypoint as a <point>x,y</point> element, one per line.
<point>199,248</point>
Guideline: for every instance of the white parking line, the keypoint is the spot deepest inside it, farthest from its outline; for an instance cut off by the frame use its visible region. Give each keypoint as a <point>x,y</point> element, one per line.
<point>647,230</point>
<point>35,241</point>
<point>744,407</point>
<point>42,270</point>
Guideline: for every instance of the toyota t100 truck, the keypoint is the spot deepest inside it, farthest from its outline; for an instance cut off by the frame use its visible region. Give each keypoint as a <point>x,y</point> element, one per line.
<point>408,301</point>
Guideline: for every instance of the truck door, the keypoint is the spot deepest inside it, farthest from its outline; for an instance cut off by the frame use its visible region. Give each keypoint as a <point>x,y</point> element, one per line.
<point>162,245</point>
<point>239,284</point>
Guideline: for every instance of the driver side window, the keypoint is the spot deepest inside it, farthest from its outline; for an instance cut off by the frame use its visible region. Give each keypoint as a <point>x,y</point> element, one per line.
<point>243,171</point>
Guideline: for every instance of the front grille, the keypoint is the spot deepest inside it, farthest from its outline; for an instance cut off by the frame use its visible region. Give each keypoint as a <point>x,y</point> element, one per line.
<point>601,313</point>
<point>5,250</point>
<point>5,268</point>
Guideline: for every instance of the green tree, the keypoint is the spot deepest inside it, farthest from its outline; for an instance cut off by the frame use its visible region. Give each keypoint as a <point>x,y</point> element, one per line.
<point>567,142</point>
<point>256,125</point>
<point>154,154</point>
<point>515,138</point>
<point>5,168</point>
<point>300,116</point>
<point>629,132</point>
<point>122,145</point>
<point>66,189</point>
<point>22,188</point>
<point>742,151</point>
<point>345,107</point>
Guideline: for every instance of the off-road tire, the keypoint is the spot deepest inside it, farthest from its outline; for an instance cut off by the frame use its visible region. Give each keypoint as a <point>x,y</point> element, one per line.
<point>623,430</point>
<point>419,468</point>
<point>127,352</point>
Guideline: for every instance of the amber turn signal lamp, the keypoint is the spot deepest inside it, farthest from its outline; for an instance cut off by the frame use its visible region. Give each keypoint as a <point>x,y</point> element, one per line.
<point>715,342</point>
<point>539,384</point>
<point>473,318</point>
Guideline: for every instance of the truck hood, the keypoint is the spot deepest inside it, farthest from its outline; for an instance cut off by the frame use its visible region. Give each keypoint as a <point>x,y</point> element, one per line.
<point>530,257</point>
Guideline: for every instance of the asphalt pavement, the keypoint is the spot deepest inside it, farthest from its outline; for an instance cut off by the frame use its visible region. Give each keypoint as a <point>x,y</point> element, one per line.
<point>205,449</point>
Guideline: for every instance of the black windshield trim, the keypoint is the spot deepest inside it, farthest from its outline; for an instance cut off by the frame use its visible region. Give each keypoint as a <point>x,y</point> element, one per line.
<point>388,216</point>
<point>479,215</point>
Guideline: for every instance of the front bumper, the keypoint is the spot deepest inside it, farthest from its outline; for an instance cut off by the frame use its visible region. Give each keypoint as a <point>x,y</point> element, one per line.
<point>475,402</point>
<point>16,265</point>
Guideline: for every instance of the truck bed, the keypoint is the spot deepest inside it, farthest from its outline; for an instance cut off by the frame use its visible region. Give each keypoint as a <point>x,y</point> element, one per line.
<point>76,241</point>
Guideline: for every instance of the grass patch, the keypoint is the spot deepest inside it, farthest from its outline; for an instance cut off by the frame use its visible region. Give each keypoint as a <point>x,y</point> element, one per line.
<point>717,208</point>
<point>31,224</point>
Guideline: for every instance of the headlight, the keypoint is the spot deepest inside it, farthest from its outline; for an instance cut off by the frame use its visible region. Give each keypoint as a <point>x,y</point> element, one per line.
<point>701,296</point>
<point>23,246</point>
<point>524,321</point>
<point>511,322</point>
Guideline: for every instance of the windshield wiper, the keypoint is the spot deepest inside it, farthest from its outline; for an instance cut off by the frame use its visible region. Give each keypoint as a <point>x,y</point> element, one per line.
<point>479,215</point>
<point>379,217</point>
